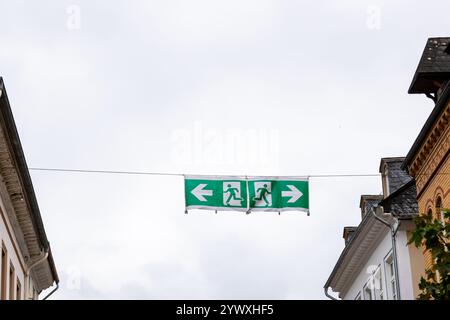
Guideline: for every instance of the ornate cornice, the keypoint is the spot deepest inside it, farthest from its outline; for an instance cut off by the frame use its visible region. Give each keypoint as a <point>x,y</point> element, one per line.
<point>433,156</point>
<point>432,151</point>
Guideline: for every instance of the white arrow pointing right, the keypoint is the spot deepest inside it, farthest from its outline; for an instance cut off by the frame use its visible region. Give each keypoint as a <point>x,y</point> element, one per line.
<point>294,193</point>
<point>199,192</point>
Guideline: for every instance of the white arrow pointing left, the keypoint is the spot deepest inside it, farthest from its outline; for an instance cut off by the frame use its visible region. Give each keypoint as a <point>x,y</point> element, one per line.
<point>294,193</point>
<point>199,192</point>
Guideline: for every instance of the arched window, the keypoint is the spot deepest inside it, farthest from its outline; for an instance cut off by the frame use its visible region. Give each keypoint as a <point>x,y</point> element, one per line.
<point>439,213</point>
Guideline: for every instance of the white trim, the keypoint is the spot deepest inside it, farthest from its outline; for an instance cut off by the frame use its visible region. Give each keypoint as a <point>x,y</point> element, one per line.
<point>378,279</point>
<point>391,281</point>
<point>404,267</point>
<point>200,207</point>
<point>280,209</point>
<point>368,285</point>
<point>371,233</point>
<point>11,234</point>
<point>214,178</point>
<point>278,178</point>
<point>385,181</point>
<point>246,178</point>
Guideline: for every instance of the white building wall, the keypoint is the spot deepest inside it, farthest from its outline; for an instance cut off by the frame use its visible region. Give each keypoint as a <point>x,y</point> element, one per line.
<point>12,255</point>
<point>377,259</point>
<point>404,267</point>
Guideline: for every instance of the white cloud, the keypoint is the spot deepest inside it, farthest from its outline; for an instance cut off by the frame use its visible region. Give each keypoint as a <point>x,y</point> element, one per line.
<point>199,23</point>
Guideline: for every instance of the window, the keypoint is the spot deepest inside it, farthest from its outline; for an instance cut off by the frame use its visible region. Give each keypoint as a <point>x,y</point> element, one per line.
<point>378,285</point>
<point>439,212</point>
<point>368,294</point>
<point>18,290</point>
<point>439,215</point>
<point>35,294</point>
<point>12,278</point>
<point>385,181</point>
<point>390,277</point>
<point>4,273</point>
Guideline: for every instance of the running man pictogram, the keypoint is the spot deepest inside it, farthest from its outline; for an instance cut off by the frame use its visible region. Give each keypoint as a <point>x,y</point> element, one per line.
<point>232,191</point>
<point>263,191</point>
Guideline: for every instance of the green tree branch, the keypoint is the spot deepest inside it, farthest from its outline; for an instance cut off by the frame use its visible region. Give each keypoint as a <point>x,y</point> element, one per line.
<point>434,235</point>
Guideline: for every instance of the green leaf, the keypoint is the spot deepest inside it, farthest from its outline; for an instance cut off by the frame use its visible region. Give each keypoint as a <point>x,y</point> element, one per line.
<point>434,235</point>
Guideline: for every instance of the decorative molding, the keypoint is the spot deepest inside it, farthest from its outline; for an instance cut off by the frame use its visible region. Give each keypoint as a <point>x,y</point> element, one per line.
<point>437,191</point>
<point>429,204</point>
<point>432,161</point>
<point>440,134</point>
<point>446,193</point>
<point>13,241</point>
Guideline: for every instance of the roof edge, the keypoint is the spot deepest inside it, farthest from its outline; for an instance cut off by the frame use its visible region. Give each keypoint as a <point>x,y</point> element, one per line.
<point>398,191</point>
<point>388,160</point>
<point>411,89</point>
<point>440,104</point>
<point>15,146</point>
<point>349,245</point>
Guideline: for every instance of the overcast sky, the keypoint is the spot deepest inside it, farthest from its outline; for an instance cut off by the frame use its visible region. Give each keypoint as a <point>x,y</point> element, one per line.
<point>253,87</point>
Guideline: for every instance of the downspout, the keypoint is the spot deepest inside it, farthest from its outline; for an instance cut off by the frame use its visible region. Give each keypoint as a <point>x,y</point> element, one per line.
<point>327,294</point>
<point>52,292</point>
<point>27,273</point>
<point>393,229</point>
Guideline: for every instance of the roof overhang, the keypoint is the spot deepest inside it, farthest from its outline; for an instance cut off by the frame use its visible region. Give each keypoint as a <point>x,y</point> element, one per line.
<point>404,214</point>
<point>439,108</point>
<point>433,68</point>
<point>355,255</point>
<point>385,161</point>
<point>22,199</point>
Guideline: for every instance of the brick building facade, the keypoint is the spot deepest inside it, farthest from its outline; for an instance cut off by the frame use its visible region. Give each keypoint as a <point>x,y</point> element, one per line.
<point>428,161</point>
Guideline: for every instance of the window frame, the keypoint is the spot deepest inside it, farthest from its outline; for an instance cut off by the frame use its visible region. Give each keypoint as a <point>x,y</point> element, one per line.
<point>18,289</point>
<point>439,211</point>
<point>12,281</point>
<point>390,277</point>
<point>378,279</point>
<point>3,272</point>
<point>385,181</point>
<point>368,287</point>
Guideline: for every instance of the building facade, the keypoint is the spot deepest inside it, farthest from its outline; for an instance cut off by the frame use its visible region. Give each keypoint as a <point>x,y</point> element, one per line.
<point>26,266</point>
<point>428,161</point>
<point>377,263</point>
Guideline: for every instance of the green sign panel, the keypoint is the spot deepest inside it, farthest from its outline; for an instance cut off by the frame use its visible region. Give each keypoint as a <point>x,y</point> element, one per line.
<point>216,193</point>
<point>247,194</point>
<point>278,194</point>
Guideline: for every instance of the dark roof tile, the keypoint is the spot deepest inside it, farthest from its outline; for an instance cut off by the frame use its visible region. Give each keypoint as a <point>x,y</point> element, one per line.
<point>403,202</point>
<point>434,65</point>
